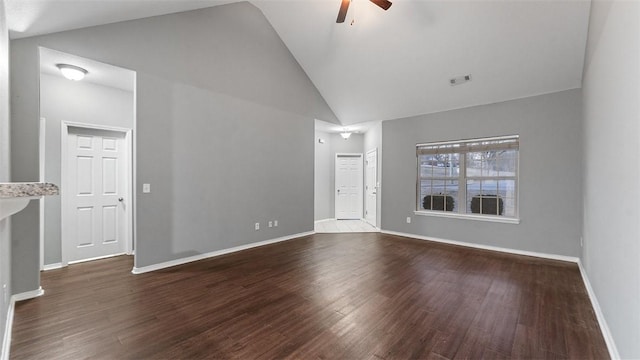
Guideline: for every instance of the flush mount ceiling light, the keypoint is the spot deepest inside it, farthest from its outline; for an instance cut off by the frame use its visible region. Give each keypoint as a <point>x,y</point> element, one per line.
<point>72,72</point>
<point>345,135</point>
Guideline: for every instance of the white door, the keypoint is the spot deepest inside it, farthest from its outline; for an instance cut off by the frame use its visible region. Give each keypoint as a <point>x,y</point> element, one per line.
<point>348,181</point>
<point>371,188</point>
<point>96,222</point>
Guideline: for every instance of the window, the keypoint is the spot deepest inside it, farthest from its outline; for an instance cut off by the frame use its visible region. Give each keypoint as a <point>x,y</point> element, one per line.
<point>475,178</point>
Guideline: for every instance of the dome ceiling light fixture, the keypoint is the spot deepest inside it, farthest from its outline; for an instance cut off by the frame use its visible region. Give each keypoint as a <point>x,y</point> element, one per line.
<point>72,72</point>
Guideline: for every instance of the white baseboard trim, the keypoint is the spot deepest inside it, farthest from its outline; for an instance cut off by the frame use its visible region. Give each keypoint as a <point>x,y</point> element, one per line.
<point>28,295</point>
<point>55,266</point>
<point>166,264</point>
<point>572,259</point>
<point>606,333</point>
<point>6,342</point>
<point>323,220</point>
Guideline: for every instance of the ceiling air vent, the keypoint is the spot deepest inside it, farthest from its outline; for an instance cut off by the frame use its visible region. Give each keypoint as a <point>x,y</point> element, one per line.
<point>460,80</point>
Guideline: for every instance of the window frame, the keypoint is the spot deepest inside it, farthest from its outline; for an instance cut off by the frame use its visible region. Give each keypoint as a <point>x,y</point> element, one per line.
<point>463,148</point>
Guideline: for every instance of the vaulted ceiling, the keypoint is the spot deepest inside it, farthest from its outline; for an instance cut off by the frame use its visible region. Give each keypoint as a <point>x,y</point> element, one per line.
<point>387,64</point>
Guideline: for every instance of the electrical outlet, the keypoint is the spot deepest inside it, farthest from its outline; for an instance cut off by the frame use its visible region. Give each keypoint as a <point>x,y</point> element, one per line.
<point>257,226</point>
<point>275,223</point>
<point>581,241</point>
<point>146,188</point>
<point>270,223</point>
<point>5,294</point>
<point>408,219</point>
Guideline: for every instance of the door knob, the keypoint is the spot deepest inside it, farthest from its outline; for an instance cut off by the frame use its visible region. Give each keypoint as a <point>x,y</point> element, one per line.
<point>120,199</point>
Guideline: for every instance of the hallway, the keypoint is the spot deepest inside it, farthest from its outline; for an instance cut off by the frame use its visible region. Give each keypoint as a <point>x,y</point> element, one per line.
<point>343,226</point>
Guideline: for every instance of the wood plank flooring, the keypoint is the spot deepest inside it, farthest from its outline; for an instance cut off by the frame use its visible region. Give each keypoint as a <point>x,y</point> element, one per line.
<point>326,296</point>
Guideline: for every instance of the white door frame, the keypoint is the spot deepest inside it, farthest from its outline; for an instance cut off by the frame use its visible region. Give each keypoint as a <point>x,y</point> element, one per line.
<point>129,189</point>
<point>375,218</point>
<point>360,180</point>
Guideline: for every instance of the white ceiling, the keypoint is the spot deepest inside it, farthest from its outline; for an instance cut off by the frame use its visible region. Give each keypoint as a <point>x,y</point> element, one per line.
<point>98,72</point>
<point>36,17</point>
<point>389,64</point>
<point>359,128</point>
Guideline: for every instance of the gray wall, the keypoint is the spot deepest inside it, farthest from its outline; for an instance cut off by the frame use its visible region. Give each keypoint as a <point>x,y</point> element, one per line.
<point>79,102</point>
<point>611,107</point>
<point>550,173</point>
<point>225,124</point>
<point>323,184</point>
<point>373,140</point>
<point>325,169</point>
<point>5,236</point>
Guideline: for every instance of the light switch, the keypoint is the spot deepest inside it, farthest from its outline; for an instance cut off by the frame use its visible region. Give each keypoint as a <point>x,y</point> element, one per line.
<point>146,188</point>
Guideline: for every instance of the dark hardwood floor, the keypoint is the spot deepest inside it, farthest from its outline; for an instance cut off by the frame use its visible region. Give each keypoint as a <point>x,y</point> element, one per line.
<point>327,296</point>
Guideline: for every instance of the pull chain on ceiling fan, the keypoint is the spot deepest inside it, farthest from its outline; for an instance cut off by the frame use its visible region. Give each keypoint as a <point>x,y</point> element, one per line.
<point>342,13</point>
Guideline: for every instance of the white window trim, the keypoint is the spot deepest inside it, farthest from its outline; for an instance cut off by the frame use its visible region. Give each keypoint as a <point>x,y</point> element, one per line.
<point>467,216</point>
<point>454,215</point>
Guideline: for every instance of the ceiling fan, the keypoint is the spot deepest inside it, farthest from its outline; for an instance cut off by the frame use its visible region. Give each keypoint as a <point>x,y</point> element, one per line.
<point>342,14</point>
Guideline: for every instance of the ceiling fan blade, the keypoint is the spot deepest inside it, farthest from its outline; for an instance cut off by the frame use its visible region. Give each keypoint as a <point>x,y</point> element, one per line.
<point>342,14</point>
<point>384,4</point>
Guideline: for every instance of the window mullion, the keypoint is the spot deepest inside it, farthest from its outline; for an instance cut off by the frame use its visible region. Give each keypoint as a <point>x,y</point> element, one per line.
<point>462,183</point>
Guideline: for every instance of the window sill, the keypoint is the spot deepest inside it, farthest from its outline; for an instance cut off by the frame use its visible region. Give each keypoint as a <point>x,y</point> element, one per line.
<point>497,219</point>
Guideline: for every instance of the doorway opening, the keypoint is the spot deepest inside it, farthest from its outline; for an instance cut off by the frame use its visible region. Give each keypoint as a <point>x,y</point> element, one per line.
<point>87,146</point>
<point>332,149</point>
